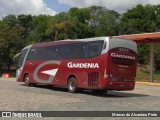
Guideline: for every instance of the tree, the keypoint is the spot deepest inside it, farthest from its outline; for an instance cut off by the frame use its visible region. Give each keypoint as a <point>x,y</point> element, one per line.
<point>61,25</point>
<point>40,26</point>
<point>156,11</point>
<point>141,19</point>
<point>81,18</point>
<point>138,20</point>
<point>104,21</point>
<point>10,41</point>
<point>25,21</point>
<point>54,27</point>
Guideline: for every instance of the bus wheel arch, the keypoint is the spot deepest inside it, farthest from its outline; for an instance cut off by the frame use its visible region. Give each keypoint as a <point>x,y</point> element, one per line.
<point>26,80</point>
<point>72,84</point>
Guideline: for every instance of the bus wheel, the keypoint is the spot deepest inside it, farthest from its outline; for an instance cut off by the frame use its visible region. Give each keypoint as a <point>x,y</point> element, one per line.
<point>72,85</point>
<point>26,80</point>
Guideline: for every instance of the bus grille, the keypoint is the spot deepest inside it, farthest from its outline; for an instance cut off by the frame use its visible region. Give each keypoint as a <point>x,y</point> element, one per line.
<point>122,61</point>
<point>93,78</point>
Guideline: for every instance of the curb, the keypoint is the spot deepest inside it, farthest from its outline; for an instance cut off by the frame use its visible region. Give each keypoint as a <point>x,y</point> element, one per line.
<point>148,83</point>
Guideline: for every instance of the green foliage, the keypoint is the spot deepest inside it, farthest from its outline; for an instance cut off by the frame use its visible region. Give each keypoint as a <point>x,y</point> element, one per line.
<point>104,21</point>
<point>62,25</point>
<point>157,57</point>
<point>25,22</point>
<point>143,53</point>
<point>40,25</point>
<point>10,41</point>
<point>145,75</point>
<point>10,20</point>
<point>81,18</point>
<point>141,19</point>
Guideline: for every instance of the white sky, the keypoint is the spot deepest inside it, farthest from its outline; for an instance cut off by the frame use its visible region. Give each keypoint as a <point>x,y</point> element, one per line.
<point>118,5</point>
<point>36,7</point>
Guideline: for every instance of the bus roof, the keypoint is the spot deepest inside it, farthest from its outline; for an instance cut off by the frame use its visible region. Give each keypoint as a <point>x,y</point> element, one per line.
<point>69,41</point>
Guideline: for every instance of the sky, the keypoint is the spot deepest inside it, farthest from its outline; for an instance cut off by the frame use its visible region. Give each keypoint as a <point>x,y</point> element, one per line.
<point>53,7</point>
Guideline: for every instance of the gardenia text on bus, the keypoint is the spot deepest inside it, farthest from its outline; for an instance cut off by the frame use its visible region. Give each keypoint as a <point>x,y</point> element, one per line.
<point>122,56</point>
<point>82,65</point>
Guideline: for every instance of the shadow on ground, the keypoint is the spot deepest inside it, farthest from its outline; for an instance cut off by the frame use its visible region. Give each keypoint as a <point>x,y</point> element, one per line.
<point>112,94</point>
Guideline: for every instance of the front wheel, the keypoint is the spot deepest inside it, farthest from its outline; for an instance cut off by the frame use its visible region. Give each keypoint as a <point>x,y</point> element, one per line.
<point>72,85</point>
<point>27,81</point>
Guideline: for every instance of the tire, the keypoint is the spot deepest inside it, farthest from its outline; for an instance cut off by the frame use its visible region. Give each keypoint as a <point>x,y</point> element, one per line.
<point>26,80</point>
<point>72,85</point>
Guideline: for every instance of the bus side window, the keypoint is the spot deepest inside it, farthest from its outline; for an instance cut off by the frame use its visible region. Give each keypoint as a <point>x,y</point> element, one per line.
<point>41,53</point>
<point>48,53</point>
<point>78,51</point>
<point>32,55</point>
<point>54,51</point>
<point>94,48</point>
<point>65,51</point>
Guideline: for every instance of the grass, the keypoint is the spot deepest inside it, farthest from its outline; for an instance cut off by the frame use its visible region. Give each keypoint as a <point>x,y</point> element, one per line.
<point>145,76</point>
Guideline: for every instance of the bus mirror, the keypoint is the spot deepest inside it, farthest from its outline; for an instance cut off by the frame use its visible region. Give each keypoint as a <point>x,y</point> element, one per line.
<point>17,55</point>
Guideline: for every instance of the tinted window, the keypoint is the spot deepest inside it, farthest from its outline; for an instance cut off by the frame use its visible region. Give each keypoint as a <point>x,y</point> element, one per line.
<point>73,51</point>
<point>94,48</point>
<point>68,51</point>
<point>44,53</point>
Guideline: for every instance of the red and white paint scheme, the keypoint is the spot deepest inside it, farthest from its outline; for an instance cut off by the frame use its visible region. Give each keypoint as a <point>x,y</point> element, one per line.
<point>101,63</point>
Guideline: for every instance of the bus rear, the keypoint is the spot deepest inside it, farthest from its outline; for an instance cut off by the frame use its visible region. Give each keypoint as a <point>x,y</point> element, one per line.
<point>121,64</point>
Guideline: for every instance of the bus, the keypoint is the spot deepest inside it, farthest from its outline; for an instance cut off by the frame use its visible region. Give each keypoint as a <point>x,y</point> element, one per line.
<point>101,63</point>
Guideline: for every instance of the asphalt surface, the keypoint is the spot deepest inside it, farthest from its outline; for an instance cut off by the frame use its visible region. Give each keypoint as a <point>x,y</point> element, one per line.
<point>15,96</point>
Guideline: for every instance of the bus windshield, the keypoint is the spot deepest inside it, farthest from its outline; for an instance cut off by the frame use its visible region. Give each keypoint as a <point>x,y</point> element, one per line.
<point>21,57</point>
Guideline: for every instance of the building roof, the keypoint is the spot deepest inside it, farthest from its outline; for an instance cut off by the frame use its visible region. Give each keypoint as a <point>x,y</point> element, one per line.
<point>143,38</point>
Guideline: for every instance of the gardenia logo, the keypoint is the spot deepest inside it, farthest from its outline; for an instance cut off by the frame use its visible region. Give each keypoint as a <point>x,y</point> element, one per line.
<point>122,56</point>
<point>82,65</point>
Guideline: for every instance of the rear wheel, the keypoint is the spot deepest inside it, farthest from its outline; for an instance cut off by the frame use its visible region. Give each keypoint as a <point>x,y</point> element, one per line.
<point>72,85</point>
<point>26,80</point>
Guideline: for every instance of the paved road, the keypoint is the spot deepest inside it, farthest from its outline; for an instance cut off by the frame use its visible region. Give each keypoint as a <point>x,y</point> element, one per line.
<point>15,96</point>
